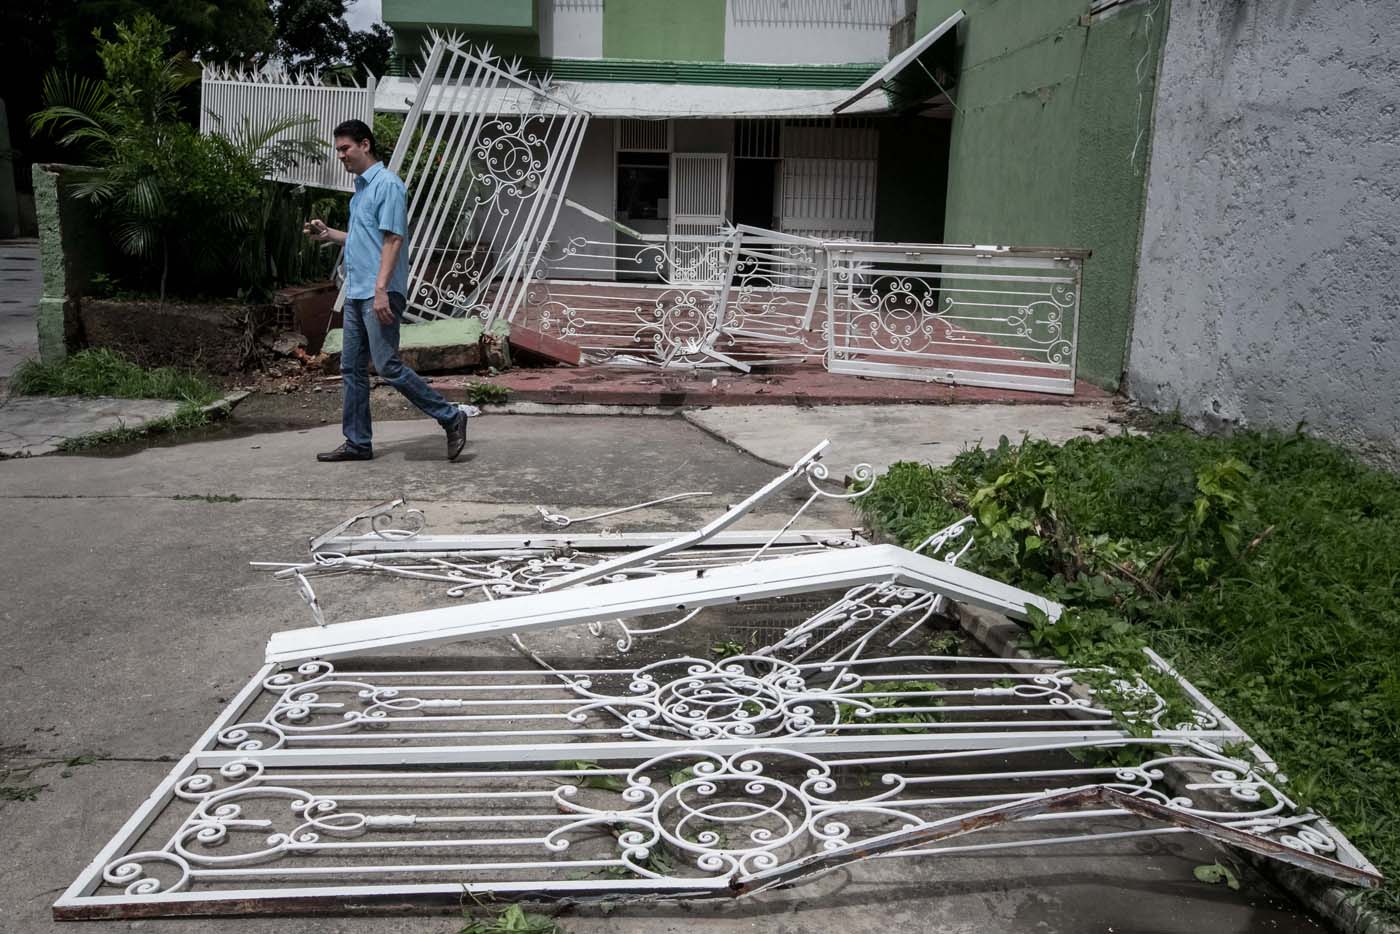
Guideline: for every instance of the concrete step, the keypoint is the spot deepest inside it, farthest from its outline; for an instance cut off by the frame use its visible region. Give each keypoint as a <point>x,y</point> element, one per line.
<point>427,347</point>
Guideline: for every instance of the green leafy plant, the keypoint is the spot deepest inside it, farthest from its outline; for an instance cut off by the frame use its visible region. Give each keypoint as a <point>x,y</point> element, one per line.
<point>175,199</point>
<point>727,649</point>
<point>893,710</point>
<point>512,919</point>
<point>486,394</point>
<point>1262,565</point>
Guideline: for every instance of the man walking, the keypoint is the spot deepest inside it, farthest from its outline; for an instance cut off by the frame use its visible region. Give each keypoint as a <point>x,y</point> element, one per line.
<point>376,287</point>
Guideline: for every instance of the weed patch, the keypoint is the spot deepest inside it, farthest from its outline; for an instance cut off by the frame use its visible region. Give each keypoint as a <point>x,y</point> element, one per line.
<point>486,394</point>
<point>186,417</point>
<point>1265,567</point>
<point>512,920</point>
<point>102,372</point>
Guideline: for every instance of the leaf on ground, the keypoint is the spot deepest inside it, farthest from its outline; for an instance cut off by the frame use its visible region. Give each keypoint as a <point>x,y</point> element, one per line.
<point>1216,873</point>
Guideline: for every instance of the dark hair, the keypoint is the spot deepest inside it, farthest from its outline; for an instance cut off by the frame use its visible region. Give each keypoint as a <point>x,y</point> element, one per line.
<point>357,132</point>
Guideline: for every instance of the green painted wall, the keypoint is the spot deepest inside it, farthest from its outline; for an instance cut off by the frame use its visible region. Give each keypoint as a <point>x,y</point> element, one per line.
<point>675,30</point>
<point>1043,144</point>
<point>473,15</point>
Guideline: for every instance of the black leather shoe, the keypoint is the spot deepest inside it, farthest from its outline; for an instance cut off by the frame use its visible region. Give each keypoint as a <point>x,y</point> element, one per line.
<point>345,453</point>
<point>457,436</point>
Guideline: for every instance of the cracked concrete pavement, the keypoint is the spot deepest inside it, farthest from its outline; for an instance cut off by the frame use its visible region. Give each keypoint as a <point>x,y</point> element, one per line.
<point>130,615</point>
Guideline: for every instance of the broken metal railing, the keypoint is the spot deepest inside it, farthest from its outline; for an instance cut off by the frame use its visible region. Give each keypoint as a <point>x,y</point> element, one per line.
<point>745,297</point>
<point>977,316</point>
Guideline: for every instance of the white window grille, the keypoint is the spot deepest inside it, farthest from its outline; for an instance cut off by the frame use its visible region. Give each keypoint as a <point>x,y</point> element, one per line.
<point>644,135</point>
<point>758,139</point>
<point>234,101</point>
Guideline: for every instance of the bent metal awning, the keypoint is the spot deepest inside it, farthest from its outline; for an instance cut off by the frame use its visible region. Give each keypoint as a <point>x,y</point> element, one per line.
<point>900,62</point>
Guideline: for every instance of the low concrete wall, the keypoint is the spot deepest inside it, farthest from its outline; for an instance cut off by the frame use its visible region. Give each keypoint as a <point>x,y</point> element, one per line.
<point>1267,291</point>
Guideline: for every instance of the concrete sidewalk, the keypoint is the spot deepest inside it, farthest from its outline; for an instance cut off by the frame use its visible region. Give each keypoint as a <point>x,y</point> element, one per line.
<point>130,616</point>
<point>882,435</point>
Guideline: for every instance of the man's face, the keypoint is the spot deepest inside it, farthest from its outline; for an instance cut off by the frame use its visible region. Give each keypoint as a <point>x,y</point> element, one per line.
<point>354,156</point>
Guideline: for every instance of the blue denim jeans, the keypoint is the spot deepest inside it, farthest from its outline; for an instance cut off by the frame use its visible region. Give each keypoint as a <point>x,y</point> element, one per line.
<point>367,338</point>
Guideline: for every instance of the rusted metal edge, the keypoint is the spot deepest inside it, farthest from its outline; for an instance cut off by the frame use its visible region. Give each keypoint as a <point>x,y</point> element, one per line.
<point>1090,797</point>
<point>91,908</point>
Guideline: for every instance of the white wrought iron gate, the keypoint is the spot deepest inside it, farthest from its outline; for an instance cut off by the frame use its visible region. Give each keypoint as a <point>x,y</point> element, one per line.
<point>386,783</point>
<point>486,153</point>
<point>1004,317</point>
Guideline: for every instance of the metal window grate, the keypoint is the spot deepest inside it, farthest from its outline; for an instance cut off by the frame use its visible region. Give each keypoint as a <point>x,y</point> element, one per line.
<point>644,135</point>
<point>758,139</point>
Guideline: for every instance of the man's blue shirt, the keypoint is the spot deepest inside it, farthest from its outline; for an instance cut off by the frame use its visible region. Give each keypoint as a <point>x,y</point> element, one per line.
<point>379,205</point>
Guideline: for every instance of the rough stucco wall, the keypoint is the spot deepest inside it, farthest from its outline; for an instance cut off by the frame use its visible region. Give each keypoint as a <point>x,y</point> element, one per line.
<point>1268,292</point>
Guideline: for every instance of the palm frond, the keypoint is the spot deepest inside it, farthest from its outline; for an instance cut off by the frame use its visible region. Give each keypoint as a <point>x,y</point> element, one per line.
<point>137,239</point>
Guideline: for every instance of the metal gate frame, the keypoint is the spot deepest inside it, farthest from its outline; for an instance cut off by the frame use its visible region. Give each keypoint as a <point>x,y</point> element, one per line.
<point>486,154</point>
<point>1002,317</point>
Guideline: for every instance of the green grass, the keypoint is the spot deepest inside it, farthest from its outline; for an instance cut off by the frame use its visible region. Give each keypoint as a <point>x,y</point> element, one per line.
<point>190,415</point>
<point>1266,567</point>
<point>102,372</point>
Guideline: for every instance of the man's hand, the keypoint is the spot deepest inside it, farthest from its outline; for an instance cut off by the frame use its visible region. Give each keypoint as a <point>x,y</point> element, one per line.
<point>382,311</point>
<point>317,230</point>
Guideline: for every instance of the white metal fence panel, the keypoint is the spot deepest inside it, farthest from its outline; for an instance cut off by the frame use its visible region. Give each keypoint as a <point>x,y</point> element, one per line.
<point>231,99</point>
<point>486,154</point>
<point>1003,317</point>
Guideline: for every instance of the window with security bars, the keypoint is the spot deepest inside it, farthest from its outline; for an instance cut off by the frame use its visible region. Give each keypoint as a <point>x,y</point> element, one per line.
<point>644,135</point>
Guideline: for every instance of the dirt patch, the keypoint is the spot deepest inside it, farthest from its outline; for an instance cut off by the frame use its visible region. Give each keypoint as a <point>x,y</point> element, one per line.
<point>219,339</point>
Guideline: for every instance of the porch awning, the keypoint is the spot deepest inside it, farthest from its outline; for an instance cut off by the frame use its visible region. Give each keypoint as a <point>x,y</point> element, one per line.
<point>652,100</point>
<point>897,64</point>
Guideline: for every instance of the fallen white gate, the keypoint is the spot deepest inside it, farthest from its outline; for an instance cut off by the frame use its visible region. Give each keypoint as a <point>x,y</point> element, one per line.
<point>396,782</point>
<point>744,298</point>
<point>1003,317</point>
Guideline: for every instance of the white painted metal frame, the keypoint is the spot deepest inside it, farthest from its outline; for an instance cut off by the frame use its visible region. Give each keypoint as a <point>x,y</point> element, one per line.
<point>485,166</point>
<point>758,306</point>
<point>1004,317</point>
<point>366,827</point>
<point>662,594</point>
<point>234,99</point>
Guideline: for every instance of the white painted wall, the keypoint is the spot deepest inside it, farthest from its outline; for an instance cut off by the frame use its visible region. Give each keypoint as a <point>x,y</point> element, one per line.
<point>592,186</point>
<point>814,32</point>
<point>571,28</point>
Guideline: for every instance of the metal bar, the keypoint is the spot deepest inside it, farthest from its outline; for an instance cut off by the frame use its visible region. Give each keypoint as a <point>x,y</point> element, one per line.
<point>671,592</point>
<point>371,544</point>
<point>1078,799</point>
<point>691,539</point>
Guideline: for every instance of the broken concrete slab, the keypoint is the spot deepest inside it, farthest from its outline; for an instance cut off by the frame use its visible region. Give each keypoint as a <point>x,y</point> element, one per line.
<point>426,347</point>
<point>33,425</point>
